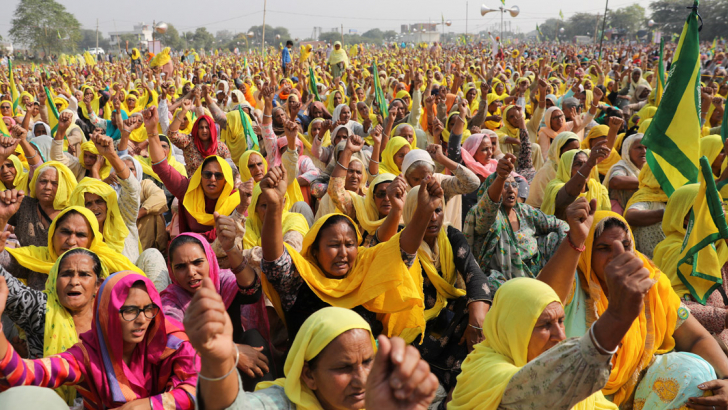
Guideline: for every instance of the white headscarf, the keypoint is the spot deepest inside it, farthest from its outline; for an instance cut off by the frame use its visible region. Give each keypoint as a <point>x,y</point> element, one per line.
<point>625,164</point>
<point>414,156</point>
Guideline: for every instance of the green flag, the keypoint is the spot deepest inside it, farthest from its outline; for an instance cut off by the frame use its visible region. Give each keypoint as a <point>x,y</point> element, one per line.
<point>312,86</point>
<point>561,14</point>
<point>250,136</point>
<point>14,94</point>
<point>379,94</point>
<point>673,138</point>
<point>52,110</point>
<point>660,73</point>
<point>724,126</point>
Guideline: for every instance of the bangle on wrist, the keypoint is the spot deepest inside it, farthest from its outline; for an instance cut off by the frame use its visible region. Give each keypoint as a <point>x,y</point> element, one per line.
<point>578,171</point>
<point>581,248</point>
<point>217,379</point>
<point>475,327</point>
<point>599,347</point>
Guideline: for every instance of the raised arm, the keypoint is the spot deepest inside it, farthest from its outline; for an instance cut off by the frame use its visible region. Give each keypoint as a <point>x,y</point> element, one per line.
<point>429,200</point>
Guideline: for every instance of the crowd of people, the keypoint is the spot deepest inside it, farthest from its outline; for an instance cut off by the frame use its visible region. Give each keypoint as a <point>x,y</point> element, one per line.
<point>471,226</point>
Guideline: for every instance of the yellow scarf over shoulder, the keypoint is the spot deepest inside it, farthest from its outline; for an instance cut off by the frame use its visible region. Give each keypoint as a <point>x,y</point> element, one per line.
<point>115,231</point>
<point>378,280</point>
<point>595,189</point>
<point>66,184</point>
<point>194,201</point>
<point>613,158</point>
<point>89,146</point>
<point>393,146</point>
<point>20,182</point>
<point>488,370</point>
<point>320,329</point>
<point>41,258</point>
<point>649,189</point>
<point>649,335</point>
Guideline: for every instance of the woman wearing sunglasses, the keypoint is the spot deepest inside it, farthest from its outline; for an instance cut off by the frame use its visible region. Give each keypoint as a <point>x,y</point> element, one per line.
<point>133,356</point>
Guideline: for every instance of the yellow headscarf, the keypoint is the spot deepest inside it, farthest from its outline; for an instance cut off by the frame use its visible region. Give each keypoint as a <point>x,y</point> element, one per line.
<point>135,54</point>
<point>243,164</point>
<point>613,158</point>
<point>320,329</point>
<point>139,134</point>
<point>650,334</point>
<point>66,184</point>
<point>90,147</point>
<point>398,128</point>
<point>493,125</point>
<point>338,56</point>
<point>649,189</point>
<point>326,139</point>
<point>393,146</point>
<point>444,284</point>
<point>95,104</point>
<point>403,93</point>
<point>507,130</point>
<point>378,280</point>
<point>41,258</point>
<point>115,231</point>
<point>508,326</point>
<point>146,162</point>
<point>60,329</point>
<point>595,189</point>
<point>367,213</point>
<point>292,221</point>
<point>446,134</point>
<point>194,201</point>
<point>190,122</point>
<point>20,181</point>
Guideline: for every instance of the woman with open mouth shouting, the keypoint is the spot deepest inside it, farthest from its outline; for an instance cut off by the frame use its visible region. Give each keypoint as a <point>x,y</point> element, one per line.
<point>132,356</point>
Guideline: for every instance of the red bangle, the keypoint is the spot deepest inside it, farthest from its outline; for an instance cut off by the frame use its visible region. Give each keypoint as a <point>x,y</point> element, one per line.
<point>581,248</point>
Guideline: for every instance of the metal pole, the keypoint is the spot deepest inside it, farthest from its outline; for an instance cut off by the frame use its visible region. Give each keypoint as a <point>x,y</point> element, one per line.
<point>604,25</point>
<point>596,29</point>
<point>262,45</point>
<point>501,31</point>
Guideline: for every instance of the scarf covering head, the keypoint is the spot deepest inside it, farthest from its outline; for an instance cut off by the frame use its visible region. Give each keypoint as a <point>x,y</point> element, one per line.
<point>613,158</point>
<point>367,213</point>
<point>66,184</point>
<point>41,258</point>
<point>194,201</point>
<point>60,329</point>
<point>711,146</point>
<point>239,134</point>
<point>488,370</point>
<point>470,149</point>
<point>338,56</point>
<point>507,130</point>
<point>146,162</point>
<point>212,147</point>
<point>325,139</point>
<point>444,281</point>
<point>650,334</point>
<point>625,163</point>
<point>414,156</point>
<point>446,134</point>
<point>89,147</point>
<point>190,121</point>
<point>149,372</point>
<point>554,152</point>
<point>292,221</point>
<point>649,189</point>
<point>114,132</point>
<point>393,146</point>
<point>688,278</point>
<point>317,332</point>
<point>493,125</point>
<point>245,174</point>
<point>115,230</point>
<point>20,182</point>
<point>546,131</point>
<point>595,190</point>
<point>378,280</point>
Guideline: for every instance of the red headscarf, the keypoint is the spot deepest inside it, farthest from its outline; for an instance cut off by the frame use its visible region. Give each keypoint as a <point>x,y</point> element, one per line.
<point>212,148</point>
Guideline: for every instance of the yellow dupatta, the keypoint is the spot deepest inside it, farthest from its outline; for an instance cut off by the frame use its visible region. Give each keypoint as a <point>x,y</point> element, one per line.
<point>66,184</point>
<point>20,182</point>
<point>613,158</point>
<point>378,280</point>
<point>446,134</point>
<point>650,334</point>
<point>507,327</point>
<point>292,191</point>
<point>320,329</point>
<point>649,189</point>
<point>398,128</point>
<point>393,146</point>
<point>194,201</point>
<point>41,258</point>
<point>595,189</point>
<point>190,121</point>
<point>139,134</point>
<point>115,231</point>
<point>493,125</point>
<point>60,329</point>
<point>89,146</point>
<point>146,163</point>
<point>444,284</point>
<point>367,213</point>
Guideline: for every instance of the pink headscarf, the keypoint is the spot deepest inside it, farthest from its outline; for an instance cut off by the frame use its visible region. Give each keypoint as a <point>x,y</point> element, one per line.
<point>470,148</point>
<point>281,143</point>
<point>164,352</point>
<point>12,121</point>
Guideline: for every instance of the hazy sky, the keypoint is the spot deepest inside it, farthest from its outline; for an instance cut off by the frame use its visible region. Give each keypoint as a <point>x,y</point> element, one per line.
<point>301,16</point>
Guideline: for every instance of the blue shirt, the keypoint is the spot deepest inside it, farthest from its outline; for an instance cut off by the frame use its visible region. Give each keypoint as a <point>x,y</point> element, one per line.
<point>286,57</point>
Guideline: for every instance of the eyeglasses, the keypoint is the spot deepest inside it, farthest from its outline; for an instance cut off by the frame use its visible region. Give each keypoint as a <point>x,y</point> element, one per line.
<point>210,174</point>
<point>513,185</point>
<point>131,313</point>
<point>381,194</point>
<point>5,107</point>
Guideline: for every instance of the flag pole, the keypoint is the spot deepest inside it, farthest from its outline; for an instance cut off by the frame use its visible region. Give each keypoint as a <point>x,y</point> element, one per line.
<point>604,22</point>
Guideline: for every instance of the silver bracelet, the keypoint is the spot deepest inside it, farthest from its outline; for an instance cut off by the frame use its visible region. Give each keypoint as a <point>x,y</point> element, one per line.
<point>217,379</point>
<point>582,175</point>
<point>339,164</point>
<point>596,343</point>
<point>371,160</point>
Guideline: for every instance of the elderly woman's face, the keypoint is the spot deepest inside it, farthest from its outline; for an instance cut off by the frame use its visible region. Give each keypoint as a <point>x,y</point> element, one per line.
<point>579,160</point>
<point>46,186</point>
<point>189,266</point>
<point>638,153</point>
<point>315,129</point>
<point>484,152</point>
<point>470,96</point>
<point>557,120</point>
<point>434,224</point>
<point>381,200</point>
<point>279,116</point>
<point>338,375</point>
<point>636,75</point>
<point>345,114</point>
<point>294,104</point>
<point>7,172</point>
<point>256,167</point>
<point>337,250</point>
<point>399,156</point>
<point>407,133</point>
<point>493,107</point>
<point>131,103</point>
<point>76,283</point>
<point>416,175</point>
<point>499,88</point>
<point>341,135</point>
<point>604,250</point>
<point>360,95</point>
<point>354,176</point>
<point>399,110</point>
<point>338,98</point>
<point>363,110</point>
<point>316,111</point>
<point>73,232</point>
<point>548,331</point>
<point>510,193</point>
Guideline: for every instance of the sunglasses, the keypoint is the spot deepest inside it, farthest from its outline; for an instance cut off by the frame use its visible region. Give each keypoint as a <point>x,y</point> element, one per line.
<point>130,313</point>
<point>381,194</point>
<point>5,107</point>
<point>210,174</point>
